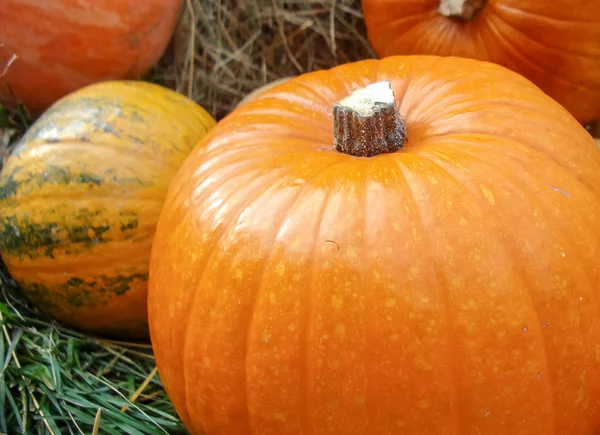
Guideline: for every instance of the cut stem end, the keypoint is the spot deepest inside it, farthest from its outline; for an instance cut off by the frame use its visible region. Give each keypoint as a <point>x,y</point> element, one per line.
<point>367,122</point>
<point>460,9</point>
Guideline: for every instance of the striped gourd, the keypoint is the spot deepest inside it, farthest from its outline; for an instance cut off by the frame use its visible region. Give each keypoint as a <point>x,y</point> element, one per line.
<point>80,197</point>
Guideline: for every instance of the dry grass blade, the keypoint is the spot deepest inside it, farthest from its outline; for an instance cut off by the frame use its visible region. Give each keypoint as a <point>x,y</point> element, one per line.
<point>141,388</point>
<point>97,420</point>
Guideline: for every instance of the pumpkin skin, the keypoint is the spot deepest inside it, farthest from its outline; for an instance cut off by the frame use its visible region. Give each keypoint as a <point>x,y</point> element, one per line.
<point>63,45</point>
<point>261,90</point>
<point>554,44</point>
<point>447,288</point>
<point>80,196</point>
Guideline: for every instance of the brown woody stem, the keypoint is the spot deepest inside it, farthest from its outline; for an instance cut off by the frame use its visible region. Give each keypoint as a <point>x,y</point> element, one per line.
<point>461,9</point>
<point>367,122</point>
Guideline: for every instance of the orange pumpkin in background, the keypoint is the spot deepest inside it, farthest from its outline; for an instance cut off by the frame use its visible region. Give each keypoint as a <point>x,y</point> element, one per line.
<point>555,44</point>
<point>327,265</point>
<point>51,48</point>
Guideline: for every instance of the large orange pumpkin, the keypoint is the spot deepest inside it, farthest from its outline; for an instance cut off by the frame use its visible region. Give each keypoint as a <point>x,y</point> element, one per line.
<point>80,196</point>
<point>555,44</point>
<point>261,90</point>
<point>446,287</point>
<point>51,48</point>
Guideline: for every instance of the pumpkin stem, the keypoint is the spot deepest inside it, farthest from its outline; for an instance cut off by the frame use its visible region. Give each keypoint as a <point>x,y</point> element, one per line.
<point>367,122</point>
<point>461,9</point>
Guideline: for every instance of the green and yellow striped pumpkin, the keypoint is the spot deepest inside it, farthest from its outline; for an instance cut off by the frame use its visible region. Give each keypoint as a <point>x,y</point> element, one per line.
<point>80,196</point>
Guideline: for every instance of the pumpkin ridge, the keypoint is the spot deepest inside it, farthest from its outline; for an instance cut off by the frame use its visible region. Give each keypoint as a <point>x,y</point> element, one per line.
<point>304,139</point>
<point>408,189</point>
<point>78,236</point>
<point>76,196</point>
<point>248,181</point>
<point>251,186</point>
<point>368,361</point>
<point>511,252</point>
<point>444,108</point>
<point>9,190</point>
<point>78,262</point>
<point>491,69</point>
<point>543,207</point>
<point>482,34</point>
<point>549,157</point>
<point>250,198</point>
<point>399,92</point>
<point>80,292</point>
<point>298,81</point>
<point>538,16</point>
<point>224,152</point>
<point>74,142</point>
<point>9,185</point>
<point>37,240</point>
<point>534,40</point>
<point>271,122</point>
<point>278,112</point>
<point>261,290</point>
<point>383,74</point>
<point>508,254</point>
<point>502,39</point>
<point>307,326</point>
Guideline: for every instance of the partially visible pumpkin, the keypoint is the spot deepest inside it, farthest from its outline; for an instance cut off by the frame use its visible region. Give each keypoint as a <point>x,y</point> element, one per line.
<point>80,196</point>
<point>449,287</point>
<point>555,44</point>
<point>51,48</point>
<point>261,90</point>
<point>594,129</point>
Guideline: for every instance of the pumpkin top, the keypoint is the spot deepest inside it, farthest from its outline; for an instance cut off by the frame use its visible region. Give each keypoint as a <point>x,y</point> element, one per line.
<point>443,101</point>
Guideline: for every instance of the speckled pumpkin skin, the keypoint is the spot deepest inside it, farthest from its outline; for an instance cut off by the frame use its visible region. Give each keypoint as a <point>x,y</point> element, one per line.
<point>449,288</point>
<point>80,196</point>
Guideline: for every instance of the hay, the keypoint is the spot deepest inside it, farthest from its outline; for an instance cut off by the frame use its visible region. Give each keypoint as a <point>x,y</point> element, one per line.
<point>242,45</point>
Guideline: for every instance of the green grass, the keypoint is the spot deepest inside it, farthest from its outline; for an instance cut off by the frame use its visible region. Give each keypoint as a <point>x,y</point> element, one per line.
<point>56,381</point>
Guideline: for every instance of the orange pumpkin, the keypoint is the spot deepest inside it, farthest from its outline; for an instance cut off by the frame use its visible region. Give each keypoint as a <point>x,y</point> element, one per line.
<point>446,284</point>
<point>51,48</point>
<point>261,90</point>
<point>555,44</point>
<point>80,196</point>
